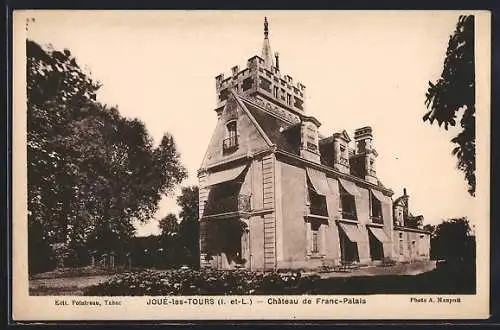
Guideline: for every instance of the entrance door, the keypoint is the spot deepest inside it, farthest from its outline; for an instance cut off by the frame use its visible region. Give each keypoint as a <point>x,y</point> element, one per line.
<point>376,247</point>
<point>348,250</point>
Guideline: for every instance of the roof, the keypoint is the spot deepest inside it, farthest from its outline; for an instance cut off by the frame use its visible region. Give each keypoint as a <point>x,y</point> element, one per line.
<point>284,135</point>
<point>403,199</point>
<point>281,129</point>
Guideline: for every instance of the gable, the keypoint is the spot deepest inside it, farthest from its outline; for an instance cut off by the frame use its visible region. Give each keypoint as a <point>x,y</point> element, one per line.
<point>284,135</point>
<point>346,136</point>
<point>249,138</point>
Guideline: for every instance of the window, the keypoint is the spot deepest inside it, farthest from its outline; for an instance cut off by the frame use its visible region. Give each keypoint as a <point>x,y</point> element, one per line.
<point>375,209</point>
<point>348,205</point>
<point>343,158</point>
<point>276,91</point>
<point>401,245</point>
<point>315,242</point>
<point>315,237</point>
<point>421,246</point>
<point>289,99</point>
<point>312,147</point>
<point>371,170</point>
<point>317,203</point>
<point>231,129</point>
<point>230,143</point>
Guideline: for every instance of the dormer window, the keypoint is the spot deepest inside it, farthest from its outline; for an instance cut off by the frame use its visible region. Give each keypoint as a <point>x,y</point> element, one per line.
<point>230,143</point>
<point>371,170</point>
<point>343,155</point>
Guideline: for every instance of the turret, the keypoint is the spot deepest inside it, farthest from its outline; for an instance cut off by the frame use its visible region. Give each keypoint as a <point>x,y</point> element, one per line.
<point>262,79</point>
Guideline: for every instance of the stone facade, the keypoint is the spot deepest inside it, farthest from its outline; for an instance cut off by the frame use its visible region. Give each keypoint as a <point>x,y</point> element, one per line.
<point>274,194</point>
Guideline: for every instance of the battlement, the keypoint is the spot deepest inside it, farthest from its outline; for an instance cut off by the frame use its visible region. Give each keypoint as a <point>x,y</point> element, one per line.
<point>259,79</point>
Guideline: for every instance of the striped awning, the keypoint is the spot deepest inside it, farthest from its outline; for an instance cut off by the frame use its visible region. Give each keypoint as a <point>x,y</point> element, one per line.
<point>380,234</point>
<point>381,197</point>
<point>318,181</point>
<point>352,232</point>
<point>224,175</point>
<point>350,187</point>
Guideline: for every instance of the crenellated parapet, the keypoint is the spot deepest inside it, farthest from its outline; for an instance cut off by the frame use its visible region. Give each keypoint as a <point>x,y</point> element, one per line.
<point>260,80</point>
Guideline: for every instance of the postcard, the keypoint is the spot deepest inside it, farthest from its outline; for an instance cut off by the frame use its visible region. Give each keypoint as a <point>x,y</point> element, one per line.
<point>250,165</point>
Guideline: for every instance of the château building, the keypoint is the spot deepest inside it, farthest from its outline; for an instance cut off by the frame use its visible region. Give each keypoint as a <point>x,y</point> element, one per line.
<point>275,194</point>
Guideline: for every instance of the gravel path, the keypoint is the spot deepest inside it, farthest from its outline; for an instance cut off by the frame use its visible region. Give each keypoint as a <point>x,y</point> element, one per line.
<point>398,269</point>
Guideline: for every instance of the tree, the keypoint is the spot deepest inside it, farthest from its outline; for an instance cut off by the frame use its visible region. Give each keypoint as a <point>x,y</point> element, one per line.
<point>455,91</point>
<point>430,228</point>
<point>189,226</point>
<point>453,240</point>
<point>169,225</point>
<point>91,172</point>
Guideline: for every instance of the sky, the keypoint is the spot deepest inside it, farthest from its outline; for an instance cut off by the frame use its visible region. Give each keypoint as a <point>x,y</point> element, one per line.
<point>359,69</point>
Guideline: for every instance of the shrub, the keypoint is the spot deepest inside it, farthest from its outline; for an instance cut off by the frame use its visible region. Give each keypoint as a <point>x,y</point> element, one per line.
<point>198,282</point>
<point>388,262</point>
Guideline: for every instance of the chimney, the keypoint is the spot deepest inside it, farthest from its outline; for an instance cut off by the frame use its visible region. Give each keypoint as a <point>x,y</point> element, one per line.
<point>363,138</point>
<point>404,192</point>
<point>365,152</point>
<point>277,57</point>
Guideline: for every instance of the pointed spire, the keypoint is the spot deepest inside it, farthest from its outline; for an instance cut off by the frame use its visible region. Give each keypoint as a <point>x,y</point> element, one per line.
<point>266,28</point>
<point>267,55</point>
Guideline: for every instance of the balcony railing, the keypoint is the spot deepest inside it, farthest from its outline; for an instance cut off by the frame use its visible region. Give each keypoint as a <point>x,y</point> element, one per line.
<point>377,219</point>
<point>344,161</point>
<point>230,144</point>
<point>238,203</point>
<point>348,214</point>
<point>318,209</point>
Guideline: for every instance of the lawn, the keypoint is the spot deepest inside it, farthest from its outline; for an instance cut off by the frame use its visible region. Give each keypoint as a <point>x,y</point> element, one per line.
<point>68,281</point>
<point>64,286</point>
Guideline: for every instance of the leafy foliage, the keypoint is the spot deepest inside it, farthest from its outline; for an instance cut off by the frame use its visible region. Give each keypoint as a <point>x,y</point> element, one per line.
<point>196,282</point>
<point>169,225</point>
<point>189,226</point>
<point>449,279</point>
<point>453,240</point>
<point>91,171</point>
<point>455,91</point>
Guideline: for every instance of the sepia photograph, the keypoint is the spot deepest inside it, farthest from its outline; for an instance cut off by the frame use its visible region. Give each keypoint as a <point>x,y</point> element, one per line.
<point>322,159</point>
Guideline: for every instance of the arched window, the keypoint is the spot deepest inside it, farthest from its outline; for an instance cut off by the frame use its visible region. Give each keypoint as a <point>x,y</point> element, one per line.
<point>230,143</point>
<point>231,128</point>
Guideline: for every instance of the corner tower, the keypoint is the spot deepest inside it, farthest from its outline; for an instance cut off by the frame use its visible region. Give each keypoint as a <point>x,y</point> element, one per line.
<point>262,80</point>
